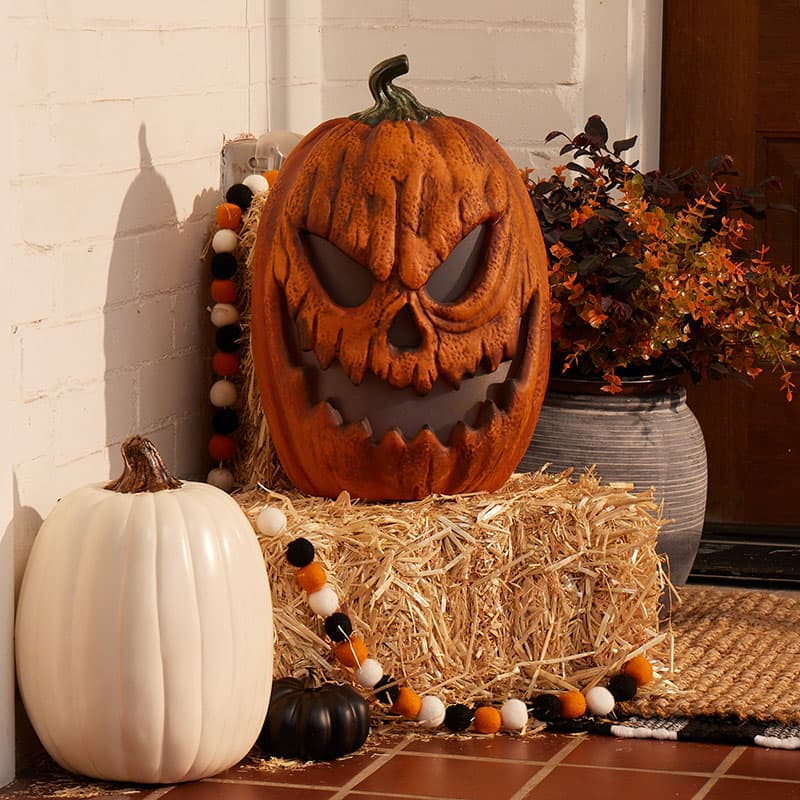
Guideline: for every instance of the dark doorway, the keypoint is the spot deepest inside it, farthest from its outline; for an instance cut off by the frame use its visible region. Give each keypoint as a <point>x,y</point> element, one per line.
<point>731,84</point>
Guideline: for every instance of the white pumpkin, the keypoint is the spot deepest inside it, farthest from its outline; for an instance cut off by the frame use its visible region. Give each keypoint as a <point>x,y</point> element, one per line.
<point>144,628</point>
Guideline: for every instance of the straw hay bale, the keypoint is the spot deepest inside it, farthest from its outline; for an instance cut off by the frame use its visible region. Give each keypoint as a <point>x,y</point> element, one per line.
<point>550,583</point>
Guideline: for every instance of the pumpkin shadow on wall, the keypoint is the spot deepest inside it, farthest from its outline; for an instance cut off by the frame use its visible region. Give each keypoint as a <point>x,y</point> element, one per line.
<point>155,380</point>
<point>16,547</point>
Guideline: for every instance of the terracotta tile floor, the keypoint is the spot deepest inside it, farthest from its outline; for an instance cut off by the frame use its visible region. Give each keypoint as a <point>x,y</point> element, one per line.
<point>485,768</point>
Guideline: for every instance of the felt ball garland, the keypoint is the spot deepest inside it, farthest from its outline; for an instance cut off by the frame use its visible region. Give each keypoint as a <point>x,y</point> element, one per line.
<point>224,315</point>
<point>272,521</point>
<point>223,265</point>
<point>224,421</point>
<point>240,195</point>
<point>338,627</point>
<point>429,711</point>
<point>622,686</point>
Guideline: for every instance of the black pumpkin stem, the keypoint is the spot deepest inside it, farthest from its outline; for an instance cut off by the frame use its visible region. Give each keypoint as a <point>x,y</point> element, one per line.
<point>392,102</point>
<point>144,469</point>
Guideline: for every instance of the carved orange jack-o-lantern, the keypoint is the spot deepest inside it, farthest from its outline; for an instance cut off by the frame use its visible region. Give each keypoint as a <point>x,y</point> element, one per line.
<point>400,321</point>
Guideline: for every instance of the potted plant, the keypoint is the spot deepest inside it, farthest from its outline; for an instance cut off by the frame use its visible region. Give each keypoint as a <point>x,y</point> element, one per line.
<point>652,278</point>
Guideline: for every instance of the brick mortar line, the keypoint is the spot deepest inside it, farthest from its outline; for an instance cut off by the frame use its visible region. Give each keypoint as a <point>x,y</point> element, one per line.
<point>490,27</point>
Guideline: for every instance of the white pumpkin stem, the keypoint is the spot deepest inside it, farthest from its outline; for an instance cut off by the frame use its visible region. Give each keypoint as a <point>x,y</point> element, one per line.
<point>144,469</point>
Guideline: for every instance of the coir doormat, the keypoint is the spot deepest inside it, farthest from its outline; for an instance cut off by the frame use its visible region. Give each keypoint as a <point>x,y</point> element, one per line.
<point>736,676</point>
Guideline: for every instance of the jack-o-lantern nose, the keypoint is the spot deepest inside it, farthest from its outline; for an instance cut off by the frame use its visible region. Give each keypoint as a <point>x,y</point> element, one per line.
<point>404,333</point>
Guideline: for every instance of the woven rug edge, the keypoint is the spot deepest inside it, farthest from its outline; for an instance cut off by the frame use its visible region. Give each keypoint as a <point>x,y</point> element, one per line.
<point>710,729</point>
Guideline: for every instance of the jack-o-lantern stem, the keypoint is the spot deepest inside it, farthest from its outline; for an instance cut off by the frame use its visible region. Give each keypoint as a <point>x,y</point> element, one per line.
<point>393,102</point>
<point>144,469</point>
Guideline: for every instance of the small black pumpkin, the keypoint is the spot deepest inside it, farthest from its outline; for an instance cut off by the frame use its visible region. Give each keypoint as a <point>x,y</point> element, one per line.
<point>313,721</point>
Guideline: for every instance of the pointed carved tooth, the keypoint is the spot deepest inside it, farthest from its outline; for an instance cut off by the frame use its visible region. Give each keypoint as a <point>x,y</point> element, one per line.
<point>488,413</point>
<point>365,425</point>
<point>512,392</point>
<point>303,334</point>
<point>336,417</point>
<point>325,356</point>
<point>459,432</point>
<point>426,433</point>
<point>356,431</point>
<point>461,436</point>
<point>393,440</point>
<point>506,394</point>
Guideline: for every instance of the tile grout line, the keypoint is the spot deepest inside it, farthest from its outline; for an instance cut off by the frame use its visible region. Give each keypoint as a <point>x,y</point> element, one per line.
<point>156,793</point>
<point>266,782</point>
<point>471,758</point>
<point>379,762</point>
<point>721,769</point>
<point>535,763</point>
<point>549,766</point>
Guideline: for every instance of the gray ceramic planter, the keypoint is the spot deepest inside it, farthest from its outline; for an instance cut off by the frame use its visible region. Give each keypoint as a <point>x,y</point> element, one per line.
<point>646,439</point>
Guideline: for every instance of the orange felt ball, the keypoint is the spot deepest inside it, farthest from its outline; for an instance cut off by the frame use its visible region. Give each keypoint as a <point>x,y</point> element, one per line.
<point>408,703</point>
<point>221,447</point>
<point>270,175</point>
<point>573,705</point>
<point>351,652</point>
<point>229,215</point>
<point>640,669</point>
<point>311,577</point>
<point>487,720</point>
<point>225,364</point>
<point>223,291</point>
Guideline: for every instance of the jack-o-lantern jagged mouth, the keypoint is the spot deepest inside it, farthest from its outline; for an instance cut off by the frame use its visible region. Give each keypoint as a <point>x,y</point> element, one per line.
<point>377,408</point>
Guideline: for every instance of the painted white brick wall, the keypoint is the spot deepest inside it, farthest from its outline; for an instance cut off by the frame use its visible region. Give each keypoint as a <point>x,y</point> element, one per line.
<point>114,118</point>
<point>120,114</point>
<point>514,67</point>
<point>518,68</point>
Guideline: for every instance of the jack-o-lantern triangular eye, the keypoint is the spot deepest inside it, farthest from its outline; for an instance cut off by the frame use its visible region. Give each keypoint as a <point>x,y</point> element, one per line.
<point>459,271</point>
<point>346,281</point>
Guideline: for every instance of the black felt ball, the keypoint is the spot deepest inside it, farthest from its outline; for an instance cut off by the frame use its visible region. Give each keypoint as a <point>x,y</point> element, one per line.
<point>240,195</point>
<point>458,717</point>
<point>546,707</point>
<point>386,690</point>
<point>338,626</point>
<point>227,338</point>
<point>224,421</point>
<point>300,552</point>
<point>223,265</point>
<point>622,687</point>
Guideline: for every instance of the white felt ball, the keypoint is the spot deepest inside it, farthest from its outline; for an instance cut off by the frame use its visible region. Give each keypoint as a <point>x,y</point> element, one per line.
<point>599,701</point>
<point>324,601</point>
<point>222,394</point>
<point>256,183</point>
<point>224,314</point>
<point>369,673</point>
<point>221,478</point>
<point>514,714</point>
<point>431,712</point>
<point>224,241</point>
<point>271,521</point>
